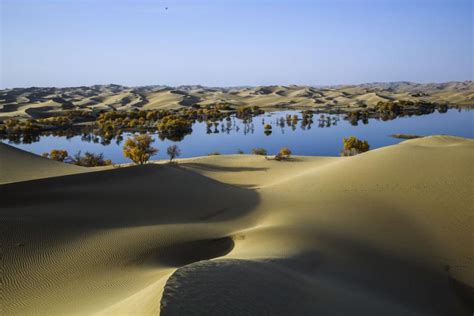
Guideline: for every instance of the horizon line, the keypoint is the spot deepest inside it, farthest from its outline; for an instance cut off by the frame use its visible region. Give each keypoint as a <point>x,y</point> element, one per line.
<point>247,86</point>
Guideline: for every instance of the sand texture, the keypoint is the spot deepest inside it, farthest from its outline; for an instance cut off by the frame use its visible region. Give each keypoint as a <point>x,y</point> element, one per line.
<point>45,102</point>
<point>387,232</point>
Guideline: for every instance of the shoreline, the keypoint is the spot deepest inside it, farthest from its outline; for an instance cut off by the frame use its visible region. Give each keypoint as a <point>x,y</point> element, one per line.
<point>143,239</point>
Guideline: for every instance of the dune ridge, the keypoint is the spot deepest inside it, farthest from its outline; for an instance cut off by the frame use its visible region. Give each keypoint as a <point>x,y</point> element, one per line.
<point>37,102</point>
<point>388,231</point>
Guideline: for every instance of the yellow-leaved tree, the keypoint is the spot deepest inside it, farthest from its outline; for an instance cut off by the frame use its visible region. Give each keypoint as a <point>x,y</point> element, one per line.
<point>138,148</point>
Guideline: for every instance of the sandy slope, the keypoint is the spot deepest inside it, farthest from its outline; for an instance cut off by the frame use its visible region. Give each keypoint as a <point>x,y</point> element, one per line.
<point>386,232</point>
<point>40,102</point>
<point>17,165</point>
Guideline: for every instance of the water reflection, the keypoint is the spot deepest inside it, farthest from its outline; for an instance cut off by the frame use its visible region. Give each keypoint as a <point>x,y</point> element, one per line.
<point>305,132</point>
<point>304,120</point>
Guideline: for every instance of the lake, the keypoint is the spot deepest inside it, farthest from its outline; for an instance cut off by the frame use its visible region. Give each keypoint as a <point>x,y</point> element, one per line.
<point>322,138</point>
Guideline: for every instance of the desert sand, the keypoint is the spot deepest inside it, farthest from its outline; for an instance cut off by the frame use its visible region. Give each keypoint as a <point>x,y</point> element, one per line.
<point>39,102</point>
<point>387,232</point>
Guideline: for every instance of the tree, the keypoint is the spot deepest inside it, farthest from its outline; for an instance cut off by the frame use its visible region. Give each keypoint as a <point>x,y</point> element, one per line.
<point>138,148</point>
<point>284,153</point>
<point>90,160</point>
<point>174,127</point>
<point>259,151</point>
<point>173,151</point>
<point>56,154</point>
<point>354,146</point>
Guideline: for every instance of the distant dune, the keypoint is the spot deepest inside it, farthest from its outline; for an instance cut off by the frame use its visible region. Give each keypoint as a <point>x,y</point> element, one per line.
<point>39,102</point>
<point>387,232</point>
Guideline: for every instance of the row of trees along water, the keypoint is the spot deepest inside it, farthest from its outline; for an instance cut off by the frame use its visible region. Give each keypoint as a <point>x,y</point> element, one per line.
<point>139,150</point>
<point>176,124</point>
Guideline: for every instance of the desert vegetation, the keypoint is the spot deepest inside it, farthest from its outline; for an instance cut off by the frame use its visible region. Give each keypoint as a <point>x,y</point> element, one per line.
<point>389,110</point>
<point>174,127</point>
<point>175,124</point>
<point>90,160</point>
<point>267,129</point>
<point>87,160</point>
<point>248,112</point>
<point>56,154</point>
<point>259,151</point>
<point>353,146</point>
<point>139,149</point>
<point>173,151</point>
<point>405,136</point>
<point>283,154</point>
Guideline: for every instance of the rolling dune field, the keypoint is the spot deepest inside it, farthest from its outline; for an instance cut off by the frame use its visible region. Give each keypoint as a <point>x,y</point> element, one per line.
<point>384,232</point>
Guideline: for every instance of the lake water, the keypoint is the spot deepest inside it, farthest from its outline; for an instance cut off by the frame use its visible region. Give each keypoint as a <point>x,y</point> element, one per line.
<point>316,140</point>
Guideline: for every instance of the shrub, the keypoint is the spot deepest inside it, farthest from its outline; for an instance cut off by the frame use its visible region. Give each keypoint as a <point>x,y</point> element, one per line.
<point>138,148</point>
<point>214,153</point>
<point>90,160</point>
<point>62,121</point>
<point>11,123</point>
<point>247,112</point>
<point>285,152</point>
<point>267,127</point>
<point>173,151</point>
<point>174,127</point>
<point>354,146</point>
<point>56,154</point>
<point>259,151</point>
<point>240,152</point>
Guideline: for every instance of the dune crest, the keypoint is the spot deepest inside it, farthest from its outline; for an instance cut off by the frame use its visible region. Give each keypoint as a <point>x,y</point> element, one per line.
<point>386,231</point>
<point>37,102</point>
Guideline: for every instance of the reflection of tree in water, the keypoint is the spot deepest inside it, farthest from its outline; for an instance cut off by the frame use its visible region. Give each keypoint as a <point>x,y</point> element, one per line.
<point>227,124</point>
<point>23,139</point>
<point>325,121</point>
<point>248,126</point>
<point>281,122</point>
<point>119,139</point>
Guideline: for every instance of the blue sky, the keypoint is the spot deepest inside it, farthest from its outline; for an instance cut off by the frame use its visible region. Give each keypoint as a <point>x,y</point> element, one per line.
<point>230,43</point>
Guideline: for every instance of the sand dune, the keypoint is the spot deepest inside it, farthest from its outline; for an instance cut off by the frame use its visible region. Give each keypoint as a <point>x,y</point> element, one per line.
<point>40,102</point>
<point>385,232</point>
<point>17,165</point>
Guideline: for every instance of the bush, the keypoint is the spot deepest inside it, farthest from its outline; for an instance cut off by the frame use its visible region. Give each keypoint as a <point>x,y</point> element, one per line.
<point>174,127</point>
<point>259,151</point>
<point>247,112</point>
<point>90,160</point>
<point>285,152</point>
<point>173,151</point>
<point>138,148</point>
<point>214,153</point>
<point>267,127</point>
<point>354,146</point>
<point>56,154</point>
